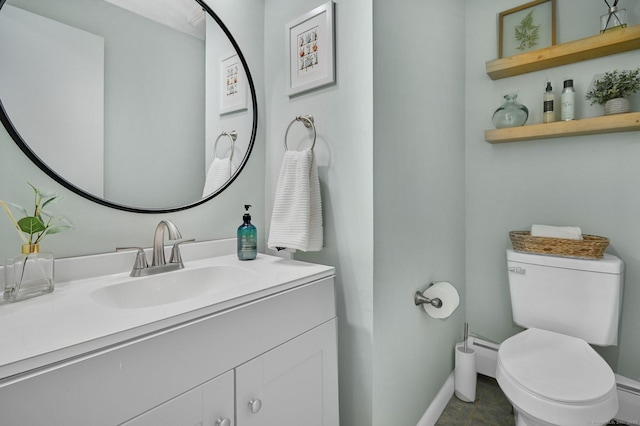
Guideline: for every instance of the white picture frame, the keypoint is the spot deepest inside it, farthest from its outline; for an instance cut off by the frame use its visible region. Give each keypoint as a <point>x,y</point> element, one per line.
<point>233,84</point>
<point>310,48</point>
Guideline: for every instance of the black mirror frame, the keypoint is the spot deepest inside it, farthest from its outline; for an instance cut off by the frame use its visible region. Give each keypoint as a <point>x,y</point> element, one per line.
<point>15,135</point>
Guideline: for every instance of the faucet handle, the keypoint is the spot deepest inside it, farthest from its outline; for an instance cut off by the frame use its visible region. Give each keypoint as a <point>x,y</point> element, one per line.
<point>176,257</point>
<point>141,257</point>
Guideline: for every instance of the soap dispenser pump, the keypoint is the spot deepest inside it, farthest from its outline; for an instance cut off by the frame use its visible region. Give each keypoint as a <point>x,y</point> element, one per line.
<point>247,237</point>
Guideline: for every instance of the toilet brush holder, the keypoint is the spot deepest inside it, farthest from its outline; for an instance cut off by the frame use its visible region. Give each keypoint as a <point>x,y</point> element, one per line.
<point>465,374</point>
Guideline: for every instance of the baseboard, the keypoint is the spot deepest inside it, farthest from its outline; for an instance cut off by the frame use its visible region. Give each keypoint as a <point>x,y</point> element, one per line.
<point>628,400</point>
<point>439,403</point>
<point>486,356</point>
<point>486,362</point>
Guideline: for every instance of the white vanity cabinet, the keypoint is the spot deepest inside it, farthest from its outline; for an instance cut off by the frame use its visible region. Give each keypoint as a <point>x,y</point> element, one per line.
<point>277,352</point>
<point>293,384</point>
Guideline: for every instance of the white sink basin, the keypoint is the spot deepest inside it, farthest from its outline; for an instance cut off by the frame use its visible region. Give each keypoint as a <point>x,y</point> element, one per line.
<point>170,287</point>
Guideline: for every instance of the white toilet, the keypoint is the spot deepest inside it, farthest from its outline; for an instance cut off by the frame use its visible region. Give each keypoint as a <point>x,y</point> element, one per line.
<point>549,372</point>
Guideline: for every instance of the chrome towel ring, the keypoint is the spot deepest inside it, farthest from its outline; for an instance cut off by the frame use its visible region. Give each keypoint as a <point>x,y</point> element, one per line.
<point>232,135</point>
<point>307,120</point>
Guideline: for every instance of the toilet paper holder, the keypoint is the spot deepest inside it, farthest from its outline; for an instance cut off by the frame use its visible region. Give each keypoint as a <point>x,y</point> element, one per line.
<point>420,299</point>
<point>439,300</point>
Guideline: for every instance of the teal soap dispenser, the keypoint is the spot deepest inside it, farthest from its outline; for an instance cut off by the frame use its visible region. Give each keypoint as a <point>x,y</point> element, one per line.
<point>247,237</point>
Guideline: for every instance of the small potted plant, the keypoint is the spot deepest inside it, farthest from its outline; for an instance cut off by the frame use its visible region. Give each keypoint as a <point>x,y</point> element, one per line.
<point>612,90</point>
<point>31,273</point>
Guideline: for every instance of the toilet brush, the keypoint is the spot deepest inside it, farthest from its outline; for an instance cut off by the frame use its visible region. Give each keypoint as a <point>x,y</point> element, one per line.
<point>465,375</point>
<point>466,335</point>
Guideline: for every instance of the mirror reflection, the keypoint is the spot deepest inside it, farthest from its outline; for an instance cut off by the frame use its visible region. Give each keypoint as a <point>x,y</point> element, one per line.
<point>131,103</point>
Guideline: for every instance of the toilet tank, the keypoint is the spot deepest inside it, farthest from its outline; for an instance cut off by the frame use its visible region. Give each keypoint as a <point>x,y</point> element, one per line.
<point>576,297</point>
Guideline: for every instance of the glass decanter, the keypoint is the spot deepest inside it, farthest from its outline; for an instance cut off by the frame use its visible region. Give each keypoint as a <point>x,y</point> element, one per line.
<point>511,113</point>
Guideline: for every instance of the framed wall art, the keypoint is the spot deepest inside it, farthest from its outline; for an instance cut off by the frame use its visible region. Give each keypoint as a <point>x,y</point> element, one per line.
<point>310,48</point>
<point>527,27</point>
<point>233,84</point>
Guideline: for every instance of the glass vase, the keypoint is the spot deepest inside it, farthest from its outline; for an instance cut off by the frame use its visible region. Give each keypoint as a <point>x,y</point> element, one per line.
<point>28,275</point>
<point>510,114</point>
<point>616,18</point>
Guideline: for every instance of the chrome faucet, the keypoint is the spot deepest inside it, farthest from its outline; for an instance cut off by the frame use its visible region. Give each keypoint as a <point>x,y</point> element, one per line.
<point>158,241</point>
<point>158,263</point>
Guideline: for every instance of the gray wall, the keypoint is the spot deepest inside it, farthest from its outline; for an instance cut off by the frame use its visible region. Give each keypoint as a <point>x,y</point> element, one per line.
<point>343,119</point>
<point>392,191</point>
<point>588,181</point>
<point>418,199</point>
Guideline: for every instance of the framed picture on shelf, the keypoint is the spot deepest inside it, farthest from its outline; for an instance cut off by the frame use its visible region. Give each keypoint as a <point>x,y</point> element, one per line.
<point>527,27</point>
<point>233,84</point>
<point>310,48</point>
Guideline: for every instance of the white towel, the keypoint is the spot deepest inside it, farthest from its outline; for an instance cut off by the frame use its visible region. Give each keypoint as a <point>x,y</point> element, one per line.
<point>296,221</point>
<point>219,172</point>
<point>566,232</point>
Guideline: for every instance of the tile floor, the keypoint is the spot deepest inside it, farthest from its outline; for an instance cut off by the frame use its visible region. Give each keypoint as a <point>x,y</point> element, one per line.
<point>491,408</point>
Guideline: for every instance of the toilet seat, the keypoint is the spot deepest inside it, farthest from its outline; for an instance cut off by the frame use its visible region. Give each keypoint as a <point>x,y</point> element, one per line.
<point>557,378</point>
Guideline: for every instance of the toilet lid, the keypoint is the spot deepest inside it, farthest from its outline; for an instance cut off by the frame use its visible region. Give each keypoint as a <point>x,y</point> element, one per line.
<point>556,366</point>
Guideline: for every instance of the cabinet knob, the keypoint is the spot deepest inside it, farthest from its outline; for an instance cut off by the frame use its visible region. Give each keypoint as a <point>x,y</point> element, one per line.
<point>223,422</point>
<point>255,405</point>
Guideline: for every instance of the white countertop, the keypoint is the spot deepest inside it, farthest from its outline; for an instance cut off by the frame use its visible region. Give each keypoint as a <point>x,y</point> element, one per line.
<point>70,321</point>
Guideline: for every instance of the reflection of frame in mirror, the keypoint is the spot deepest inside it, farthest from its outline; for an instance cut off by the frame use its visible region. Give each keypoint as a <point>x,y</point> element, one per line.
<point>527,27</point>
<point>233,89</point>
<point>310,48</point>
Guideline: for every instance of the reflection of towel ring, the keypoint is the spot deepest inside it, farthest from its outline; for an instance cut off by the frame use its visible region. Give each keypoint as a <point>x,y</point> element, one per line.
<point>233,135</point>
<point>307,120</point>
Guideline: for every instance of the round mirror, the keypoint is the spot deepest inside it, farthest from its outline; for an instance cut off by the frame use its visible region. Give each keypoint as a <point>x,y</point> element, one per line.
<point>143,106</point>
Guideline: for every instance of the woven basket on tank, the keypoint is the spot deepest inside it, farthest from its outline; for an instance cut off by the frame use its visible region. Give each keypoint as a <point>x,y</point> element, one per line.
<point>590,247</point>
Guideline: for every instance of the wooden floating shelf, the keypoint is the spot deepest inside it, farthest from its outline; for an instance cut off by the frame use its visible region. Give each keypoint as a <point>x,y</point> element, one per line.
<point>586,126</point>
<point>609,43</point>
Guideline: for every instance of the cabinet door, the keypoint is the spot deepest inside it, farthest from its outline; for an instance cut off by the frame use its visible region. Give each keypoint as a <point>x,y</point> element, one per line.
<point>208,405</point>
<point>184,410</point>
<point>294,384</point>
<point>219,401</point>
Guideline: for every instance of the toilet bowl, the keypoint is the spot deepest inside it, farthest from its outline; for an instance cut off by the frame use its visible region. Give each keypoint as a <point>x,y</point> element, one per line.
<point>549,372</point>
<point>554,379</point>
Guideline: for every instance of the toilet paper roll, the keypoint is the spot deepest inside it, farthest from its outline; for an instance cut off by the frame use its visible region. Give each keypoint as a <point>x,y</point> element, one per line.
<point>447,293</point>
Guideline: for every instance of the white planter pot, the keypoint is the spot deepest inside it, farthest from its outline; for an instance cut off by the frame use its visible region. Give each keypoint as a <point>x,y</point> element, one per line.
<point>617,106</point>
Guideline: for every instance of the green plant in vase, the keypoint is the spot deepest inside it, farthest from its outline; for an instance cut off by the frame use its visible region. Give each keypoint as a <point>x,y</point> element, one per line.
<point>612,90</point>
<point>31,274</point>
